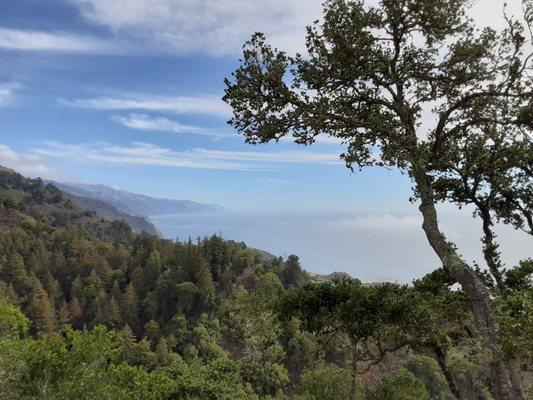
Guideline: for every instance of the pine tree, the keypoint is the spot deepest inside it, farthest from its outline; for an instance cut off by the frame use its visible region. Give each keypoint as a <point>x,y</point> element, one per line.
<point>152,331</point>
<point>130,307</point>
<point>63,315</point>
<point>162,353</point>
<point>8,292</point>
<point>34,264</point>
<point>76,288</point>
<point>40,310</point>
<point>116,293</point>
<point>54,291</point>
<point>204,282</point>
<point>76,312</point>
<point>293,274</point>
<point>129,346</point>
<point>112,313</point>
<point>15,272</point>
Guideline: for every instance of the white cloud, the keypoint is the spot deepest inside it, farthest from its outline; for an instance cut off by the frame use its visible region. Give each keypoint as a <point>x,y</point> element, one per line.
<point>17,39</point>
<point>144,122</point>
<point>206,104</point>
<point>27,164</point>
<point>6,92</point>
<point>219,27</point>
<point>214,27</point>
<point>281,157</point>
<point>148,154</point>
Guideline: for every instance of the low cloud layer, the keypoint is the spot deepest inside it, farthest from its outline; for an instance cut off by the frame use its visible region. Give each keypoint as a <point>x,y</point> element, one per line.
<point>371,247</point>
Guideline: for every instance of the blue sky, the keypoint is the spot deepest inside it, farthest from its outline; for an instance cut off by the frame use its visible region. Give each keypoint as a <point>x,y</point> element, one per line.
<point>122,94</point>
<point>127,93</point>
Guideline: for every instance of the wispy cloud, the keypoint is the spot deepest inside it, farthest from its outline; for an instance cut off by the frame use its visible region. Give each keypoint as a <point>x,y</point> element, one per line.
<point>30,165</point>
<point>280,157</point>
<point>138,153</point>
<point>16,39</point>
<point>6,91</point>
<point>144,122</point>
<point>219,27</point>
<point>208,104</point>
<point>214,27</point>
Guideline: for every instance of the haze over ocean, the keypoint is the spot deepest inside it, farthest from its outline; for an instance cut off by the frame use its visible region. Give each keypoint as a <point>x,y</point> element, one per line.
<point>371,247</point>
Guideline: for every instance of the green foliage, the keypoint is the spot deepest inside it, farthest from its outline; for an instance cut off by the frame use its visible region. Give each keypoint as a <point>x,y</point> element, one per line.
<point>12,320</point>
<point>325,382</point>
<point>427,370</point>
<point>515,313</point>
<point>377,319</point>
<point>216,380</point>
<point>400,385</point>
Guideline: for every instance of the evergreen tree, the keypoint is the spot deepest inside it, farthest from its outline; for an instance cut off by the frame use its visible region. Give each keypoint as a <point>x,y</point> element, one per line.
<point>162,353</point>
<point>129,307</point>
<point>54,291</point>
<point>204,283</point>
<point>40,310</point>
<point>112,314</point>
<point>76,312</point>
<point>15,272</point>
<point>116,293</point>
<point>152,331</point>
<point>76,288</point>
<point>293,275</point>
<point>63,315</point>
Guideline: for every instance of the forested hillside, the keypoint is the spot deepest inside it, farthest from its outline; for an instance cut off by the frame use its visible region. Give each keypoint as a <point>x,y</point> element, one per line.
<point>90,310</point>
<point>137,223</point>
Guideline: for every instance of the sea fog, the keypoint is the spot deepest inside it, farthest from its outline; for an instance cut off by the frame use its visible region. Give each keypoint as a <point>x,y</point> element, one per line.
<point>371,247</point>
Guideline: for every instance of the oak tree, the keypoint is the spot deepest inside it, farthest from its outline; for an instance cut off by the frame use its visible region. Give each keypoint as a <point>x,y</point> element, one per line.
<point>369,75</point>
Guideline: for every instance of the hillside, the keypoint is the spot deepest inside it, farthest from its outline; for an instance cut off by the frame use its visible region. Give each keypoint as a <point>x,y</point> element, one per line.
<point>105,210</point>
<point>136,204</point>
<point>30,202</point>
<point>31,198</point>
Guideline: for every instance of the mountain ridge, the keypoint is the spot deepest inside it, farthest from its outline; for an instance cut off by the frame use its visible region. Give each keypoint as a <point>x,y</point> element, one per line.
<point>134,203</point>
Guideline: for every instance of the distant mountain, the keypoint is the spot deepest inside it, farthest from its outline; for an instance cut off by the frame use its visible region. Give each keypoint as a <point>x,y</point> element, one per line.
<point>31,198</point>
<point>136,204</point>
<point>324,278</point>
<point>105,210</point>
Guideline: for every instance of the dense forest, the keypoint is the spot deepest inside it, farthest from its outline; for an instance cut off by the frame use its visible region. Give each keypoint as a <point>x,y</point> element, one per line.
<point>91,310</point>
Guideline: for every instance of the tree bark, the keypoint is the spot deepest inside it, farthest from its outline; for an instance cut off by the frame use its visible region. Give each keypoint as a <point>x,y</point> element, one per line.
<point>441,359</point>
<point>353,365</point>
<point>516,377</point>
<point>471,283</point>
<point>490,247</point>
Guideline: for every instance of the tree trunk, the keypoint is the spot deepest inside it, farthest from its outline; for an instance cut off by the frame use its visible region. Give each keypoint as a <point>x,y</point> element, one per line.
<point>516,377</point>
<point>441,359</point>
<point>471,283</point>
<point>353,366</point>
<point>490,247</point>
